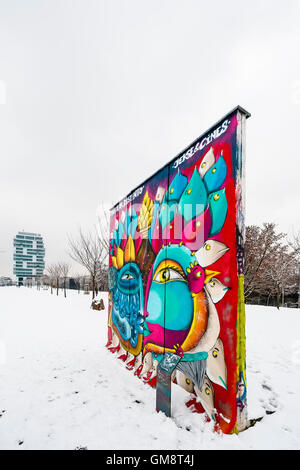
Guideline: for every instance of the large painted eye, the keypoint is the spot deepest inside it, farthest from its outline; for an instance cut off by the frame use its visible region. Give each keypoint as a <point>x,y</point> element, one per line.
<point>207,391</point>
<point>127,277</point>
<point>215,353</point>
<point>167,274</point>
<point>216,197</point>
<point>164,275</point>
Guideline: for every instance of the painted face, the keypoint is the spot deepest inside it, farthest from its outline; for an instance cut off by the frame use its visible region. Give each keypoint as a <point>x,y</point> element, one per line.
<point>127,312</point>
<point>128,279</point>
<point>216,366</point>
<point>170,305</point>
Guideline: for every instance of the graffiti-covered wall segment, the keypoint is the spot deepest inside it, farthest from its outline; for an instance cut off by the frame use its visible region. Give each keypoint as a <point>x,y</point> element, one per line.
<point>174,280</point>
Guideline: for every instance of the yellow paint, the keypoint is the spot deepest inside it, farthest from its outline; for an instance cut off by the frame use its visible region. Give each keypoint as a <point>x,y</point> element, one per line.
<point>145,215</point>
<point>110,304</point>
<point>241,338</point>
<point>209,274</point>
<point>120,258</point>
<point>241,323</point>
<point>129,251</point>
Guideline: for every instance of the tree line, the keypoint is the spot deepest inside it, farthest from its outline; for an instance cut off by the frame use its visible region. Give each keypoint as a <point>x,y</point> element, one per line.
<point>90,250</point>
<point>272,267</point>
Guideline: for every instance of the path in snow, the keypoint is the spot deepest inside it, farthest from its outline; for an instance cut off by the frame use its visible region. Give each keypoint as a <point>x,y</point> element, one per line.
<point>61,389</point>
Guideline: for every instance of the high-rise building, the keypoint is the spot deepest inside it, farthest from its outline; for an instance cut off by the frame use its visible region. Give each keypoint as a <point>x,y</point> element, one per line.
<point>29,253</point>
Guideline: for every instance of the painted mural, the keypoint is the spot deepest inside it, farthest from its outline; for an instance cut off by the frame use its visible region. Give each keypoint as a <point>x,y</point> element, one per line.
<point>176,274</point>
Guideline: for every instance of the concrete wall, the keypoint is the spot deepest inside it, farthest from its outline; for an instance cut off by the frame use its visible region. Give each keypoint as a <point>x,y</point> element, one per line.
<point>176,274</point>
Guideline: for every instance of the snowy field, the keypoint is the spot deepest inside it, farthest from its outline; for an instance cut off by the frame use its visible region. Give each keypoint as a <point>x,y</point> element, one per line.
<point>61,389</point>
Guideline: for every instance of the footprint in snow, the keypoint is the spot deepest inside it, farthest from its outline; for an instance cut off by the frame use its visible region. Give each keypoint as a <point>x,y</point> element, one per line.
<point>266,387</point>
<point>270,402</point>
<point>286,429</point>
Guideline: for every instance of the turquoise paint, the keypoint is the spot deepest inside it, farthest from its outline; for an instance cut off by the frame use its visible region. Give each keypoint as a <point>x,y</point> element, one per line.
<point>176,187</point>
<point>218,209</point>
<point>194,198</point>
<point>181,254</point>
<point>170,305</point>
<point>167,213</point>
<point>216,175</point>
<point>195,357</point>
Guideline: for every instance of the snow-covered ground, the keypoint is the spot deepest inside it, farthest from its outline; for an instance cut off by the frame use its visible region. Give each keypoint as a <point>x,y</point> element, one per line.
<point>61,389</point>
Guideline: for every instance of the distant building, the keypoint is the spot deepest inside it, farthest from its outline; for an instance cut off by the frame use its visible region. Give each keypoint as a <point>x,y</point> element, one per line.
<point>29,254</point>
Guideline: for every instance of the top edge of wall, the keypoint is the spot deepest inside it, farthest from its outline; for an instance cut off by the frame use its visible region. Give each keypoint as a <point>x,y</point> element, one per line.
<point>234,110</point>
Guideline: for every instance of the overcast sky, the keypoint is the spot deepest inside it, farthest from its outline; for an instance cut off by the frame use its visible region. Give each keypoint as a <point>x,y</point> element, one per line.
<point>98,94</point>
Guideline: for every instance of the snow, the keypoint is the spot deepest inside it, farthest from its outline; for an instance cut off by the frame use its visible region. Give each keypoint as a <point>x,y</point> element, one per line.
<point>61,389</point>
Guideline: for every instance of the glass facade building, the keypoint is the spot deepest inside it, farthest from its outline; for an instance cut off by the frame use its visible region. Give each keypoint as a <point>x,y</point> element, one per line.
<point>29,254</point>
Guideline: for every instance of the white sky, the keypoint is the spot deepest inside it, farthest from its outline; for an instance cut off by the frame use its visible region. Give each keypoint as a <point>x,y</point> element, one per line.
<point>96,95</point>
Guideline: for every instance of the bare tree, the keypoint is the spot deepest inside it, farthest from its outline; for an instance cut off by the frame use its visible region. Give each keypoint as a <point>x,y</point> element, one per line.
<point>51,273</point>
<point>270,264</point>
<point>46,281</point>
<point>55,274</point>
<point>260,243</point>
<point>88,252</point>
<point>103,230</point>
<point>279,276</point>
<point>102,278</point>
<point>64,271</point>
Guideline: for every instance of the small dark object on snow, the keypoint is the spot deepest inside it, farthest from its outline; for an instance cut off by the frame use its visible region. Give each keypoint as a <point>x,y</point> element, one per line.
<point>98,305</point>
